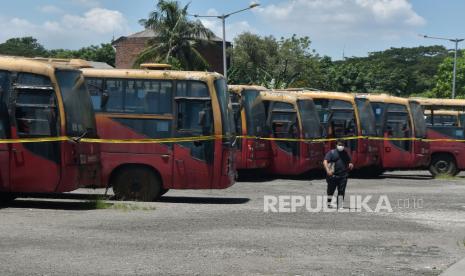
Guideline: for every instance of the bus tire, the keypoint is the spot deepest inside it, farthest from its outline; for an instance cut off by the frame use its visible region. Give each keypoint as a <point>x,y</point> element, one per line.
<point>137,184</point>
<point>443,164</point>
<point>6,198</point>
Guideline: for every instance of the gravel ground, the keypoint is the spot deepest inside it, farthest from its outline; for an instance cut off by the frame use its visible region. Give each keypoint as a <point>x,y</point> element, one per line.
<point>228,232</point>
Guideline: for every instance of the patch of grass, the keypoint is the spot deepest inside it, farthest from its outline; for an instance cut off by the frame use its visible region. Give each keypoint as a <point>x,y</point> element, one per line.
<point>131,207</point>
<point>447,177</point>
<point>98,202</point>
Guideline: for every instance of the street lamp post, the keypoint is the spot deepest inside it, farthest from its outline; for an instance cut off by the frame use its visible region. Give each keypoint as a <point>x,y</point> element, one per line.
<point>223,21</point>
<point>454,74</point>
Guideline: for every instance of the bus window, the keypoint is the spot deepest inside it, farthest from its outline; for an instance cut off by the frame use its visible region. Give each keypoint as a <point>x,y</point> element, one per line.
<point>255,113</point>
<point>148,97</point>
<point>227,120</point>
<point>4,91</point>
<point>192,100</point>
<point>310,122</point>
<point>36,114</point>
<point>418,120</point>
<point>236,108</point>
<point>115,90</point>
<point>367,117</point>
<point>95,87</point>
<point>398,125</point>
<point>80,116</point>
<point>284,124</point>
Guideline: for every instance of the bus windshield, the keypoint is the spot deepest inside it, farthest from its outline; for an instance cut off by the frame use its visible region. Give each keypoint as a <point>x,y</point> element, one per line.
<point>418,120</point>
<point>367,117</point>
<point>227,118</point>
<point>337,116</point>
<point>80,119</point>
<point>310,121</point>
<point>284,120</point>
<point>255,113</point>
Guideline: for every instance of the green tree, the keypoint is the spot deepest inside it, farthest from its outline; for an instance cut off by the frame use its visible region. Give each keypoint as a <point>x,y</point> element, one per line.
<point>288,62</point>
<point>398,71</point>
<point>178,38</point>
<point>23,46</point>
<point>103,53</point>
<point>444,77</point>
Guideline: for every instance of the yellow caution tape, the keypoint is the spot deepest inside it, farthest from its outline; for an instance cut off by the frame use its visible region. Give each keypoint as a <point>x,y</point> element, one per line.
<point>209,138</point>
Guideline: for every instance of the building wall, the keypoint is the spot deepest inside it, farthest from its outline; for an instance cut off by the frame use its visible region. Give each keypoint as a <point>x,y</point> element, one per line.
<point>127,50</point>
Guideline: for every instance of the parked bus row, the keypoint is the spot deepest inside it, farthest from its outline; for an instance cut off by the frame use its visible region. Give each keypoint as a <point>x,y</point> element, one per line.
<point>282,132</point>
<point>43,98</point>
<point>382,132</point>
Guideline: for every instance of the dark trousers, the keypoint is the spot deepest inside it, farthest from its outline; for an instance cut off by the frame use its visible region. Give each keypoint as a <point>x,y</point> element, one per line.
<point>339,182</point>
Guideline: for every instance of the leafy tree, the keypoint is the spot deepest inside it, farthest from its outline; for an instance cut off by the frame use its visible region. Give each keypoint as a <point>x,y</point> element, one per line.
<point>22,46</point>
<point>444,77</point>
<point>399,71</point>
<point>178,38</point>
<point>288,62</point>
<point>103,53</point>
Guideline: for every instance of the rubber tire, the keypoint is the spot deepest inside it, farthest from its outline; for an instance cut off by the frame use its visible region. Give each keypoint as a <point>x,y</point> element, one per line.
<point>137,184</point>
<point>6,198</point>
<point>448,163</point>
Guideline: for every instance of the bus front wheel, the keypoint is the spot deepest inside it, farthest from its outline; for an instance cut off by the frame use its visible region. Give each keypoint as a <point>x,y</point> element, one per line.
<point>137,184</point>
<point>443,165</point>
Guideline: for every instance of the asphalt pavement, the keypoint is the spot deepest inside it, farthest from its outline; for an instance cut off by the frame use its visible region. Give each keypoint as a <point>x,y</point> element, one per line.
<point>227,232</point>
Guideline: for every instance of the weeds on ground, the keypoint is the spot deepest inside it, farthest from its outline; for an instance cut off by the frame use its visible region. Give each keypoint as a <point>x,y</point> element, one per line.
<point>99,203</point>
<point>448,177</point>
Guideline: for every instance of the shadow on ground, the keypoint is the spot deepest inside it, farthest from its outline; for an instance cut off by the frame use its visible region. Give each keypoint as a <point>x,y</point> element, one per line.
<point>204,200</point>
<point>53,205</point>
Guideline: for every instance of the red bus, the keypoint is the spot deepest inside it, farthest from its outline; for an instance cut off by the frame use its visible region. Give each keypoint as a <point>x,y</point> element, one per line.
<point>43,100</point>
<point>293,118</point>
<point>142,104</point>
<point>345,116</point>
<point>445,120</point>
<point>402,123</point>
<point>250,121</point>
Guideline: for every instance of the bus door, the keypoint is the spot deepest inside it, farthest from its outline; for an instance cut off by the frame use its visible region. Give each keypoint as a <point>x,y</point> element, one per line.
<point>238,113</point>
<point>397,153</point>
<point>34,167</point>
<point>193,161</point>
<point>421,153</point>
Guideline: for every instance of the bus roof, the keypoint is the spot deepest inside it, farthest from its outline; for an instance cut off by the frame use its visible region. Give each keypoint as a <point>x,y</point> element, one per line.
<point>384,98</point>
<point>22,64</point>
<point>444,112</point>
<point>324,94</point>
<point>151,74</point>
<point>278,96</point>
<point>238,88</point>
<point>441,103</point>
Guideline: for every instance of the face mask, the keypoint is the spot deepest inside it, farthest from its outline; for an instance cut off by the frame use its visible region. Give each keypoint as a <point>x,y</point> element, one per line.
<point>340,148</point>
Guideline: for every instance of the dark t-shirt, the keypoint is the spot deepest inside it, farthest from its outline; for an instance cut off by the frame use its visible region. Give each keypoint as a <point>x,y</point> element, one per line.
<point>341,159</point>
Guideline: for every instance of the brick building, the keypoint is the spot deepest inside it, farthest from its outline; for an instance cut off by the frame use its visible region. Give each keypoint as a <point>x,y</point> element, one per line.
<point>129,47</point>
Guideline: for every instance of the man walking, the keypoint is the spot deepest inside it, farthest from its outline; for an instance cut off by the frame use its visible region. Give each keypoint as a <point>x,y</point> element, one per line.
<point>338,164</point>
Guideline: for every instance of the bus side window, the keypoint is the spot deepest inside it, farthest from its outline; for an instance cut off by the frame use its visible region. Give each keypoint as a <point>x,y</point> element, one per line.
<point>95,87</point>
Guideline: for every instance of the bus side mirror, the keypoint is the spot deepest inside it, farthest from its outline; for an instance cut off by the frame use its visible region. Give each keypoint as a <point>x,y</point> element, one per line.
<point>104,98</point>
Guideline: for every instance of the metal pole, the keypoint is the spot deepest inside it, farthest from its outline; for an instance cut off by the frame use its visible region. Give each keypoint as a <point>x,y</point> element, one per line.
<point>455,68</point>
<point>225,65</point>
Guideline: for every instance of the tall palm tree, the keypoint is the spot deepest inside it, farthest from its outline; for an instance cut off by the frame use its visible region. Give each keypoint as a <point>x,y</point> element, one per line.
<point>177,38</point>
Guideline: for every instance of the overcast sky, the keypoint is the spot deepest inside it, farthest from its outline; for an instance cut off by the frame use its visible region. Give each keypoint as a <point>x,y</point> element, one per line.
<point>354,26</point>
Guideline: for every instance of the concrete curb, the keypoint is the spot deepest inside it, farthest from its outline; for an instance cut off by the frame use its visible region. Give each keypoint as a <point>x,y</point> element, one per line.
<point>457,269</point>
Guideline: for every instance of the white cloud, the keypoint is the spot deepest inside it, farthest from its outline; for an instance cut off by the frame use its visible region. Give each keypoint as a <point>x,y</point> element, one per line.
<point>95,26</point>
<point>97,20</point>
<point>324,19</point>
